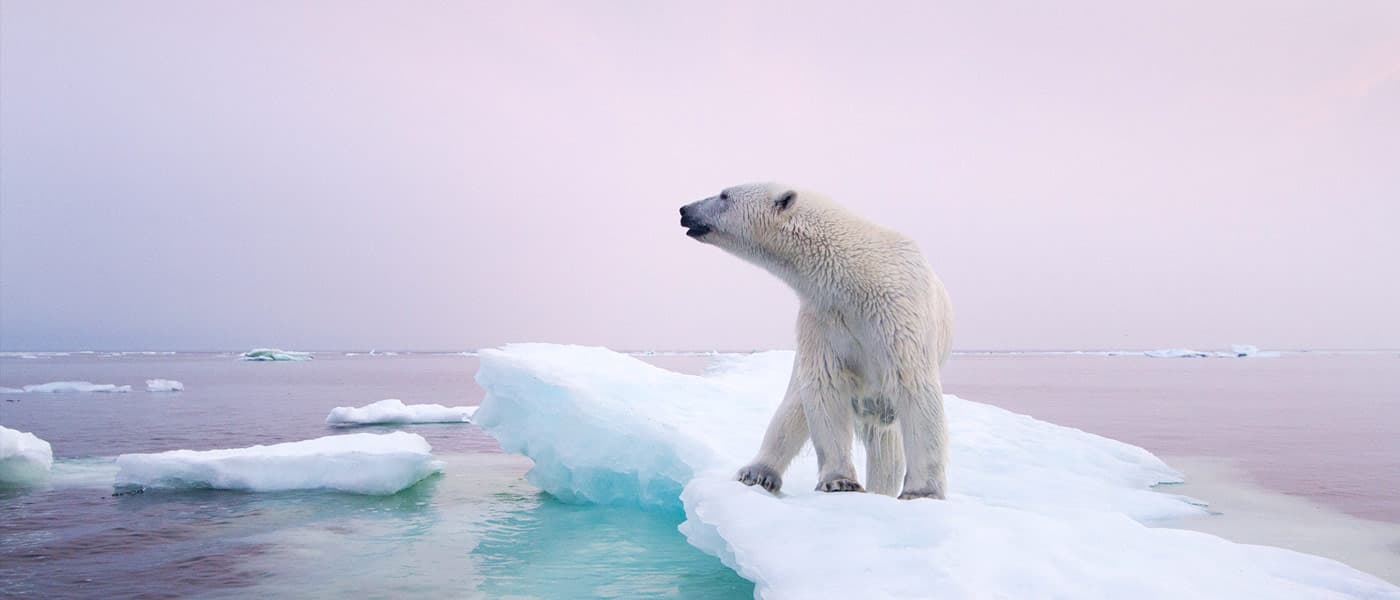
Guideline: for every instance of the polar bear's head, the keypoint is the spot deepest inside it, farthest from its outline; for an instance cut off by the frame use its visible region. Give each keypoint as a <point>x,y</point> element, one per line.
<point>753,221</point>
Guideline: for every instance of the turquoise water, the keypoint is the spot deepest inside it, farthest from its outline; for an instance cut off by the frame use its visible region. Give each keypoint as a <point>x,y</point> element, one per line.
<point>478,530</point>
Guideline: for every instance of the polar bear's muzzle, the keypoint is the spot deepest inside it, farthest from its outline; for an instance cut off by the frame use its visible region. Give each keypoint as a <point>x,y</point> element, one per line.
<point>694,226</point>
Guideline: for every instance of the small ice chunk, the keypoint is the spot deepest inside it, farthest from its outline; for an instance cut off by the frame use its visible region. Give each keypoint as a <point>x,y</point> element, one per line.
<point>1248,351</point>
<point>10,390</point>
<point>360,463</point>
<point>24,458</point>
<point>1177,353</point>
<point>273,354</point>
<point>164,385</point>
<point>54,387</point>
<point>394,411</point>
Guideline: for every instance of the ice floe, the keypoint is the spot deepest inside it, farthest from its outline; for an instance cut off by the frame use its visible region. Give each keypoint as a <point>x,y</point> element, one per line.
<point>164,385</point>
<point>273,354</point>
<point>56,387</point>
<point>24,458</point>
<point>1236,351</point>
<point>394,411</point>
<point>361,463</point>
<point>1035,509</point>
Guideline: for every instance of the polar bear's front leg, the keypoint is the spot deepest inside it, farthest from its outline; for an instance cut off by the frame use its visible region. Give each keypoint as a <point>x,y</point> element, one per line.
<point>925,432</point>
<point>784,438</point>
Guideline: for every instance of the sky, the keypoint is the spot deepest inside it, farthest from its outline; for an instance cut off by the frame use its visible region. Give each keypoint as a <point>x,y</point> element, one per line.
<point>449,175</point>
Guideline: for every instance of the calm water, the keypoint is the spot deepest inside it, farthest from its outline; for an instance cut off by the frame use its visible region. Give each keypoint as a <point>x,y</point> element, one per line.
<point>1323,427</point>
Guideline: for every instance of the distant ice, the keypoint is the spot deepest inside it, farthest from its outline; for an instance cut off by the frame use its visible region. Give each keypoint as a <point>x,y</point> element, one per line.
<point>24,458</point>
<point>1177,353</point>
<point>273,354</point>
<point>75,386</point>
<point>360,463</point>
<point>1236,351</point>
<point>1036,509</point>
<point>10,390</point>
<point>1248,351</point>
<point>394,411</point>
<point>164,385</point>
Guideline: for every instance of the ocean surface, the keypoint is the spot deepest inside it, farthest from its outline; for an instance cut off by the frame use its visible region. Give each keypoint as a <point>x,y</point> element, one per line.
<point>1301,450</point>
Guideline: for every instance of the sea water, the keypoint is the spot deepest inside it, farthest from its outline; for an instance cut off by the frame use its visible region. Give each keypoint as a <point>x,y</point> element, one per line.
<point>480,530</point>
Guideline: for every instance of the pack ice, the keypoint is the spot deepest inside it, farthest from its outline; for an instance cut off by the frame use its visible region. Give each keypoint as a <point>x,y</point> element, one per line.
<point>24,458</point>
<point>273,354</point>
<point>394,411</point>
<point>1035,510</point>
<point>360,463</point>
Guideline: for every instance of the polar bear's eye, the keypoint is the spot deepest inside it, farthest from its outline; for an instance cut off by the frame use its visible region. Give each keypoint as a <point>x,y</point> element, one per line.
<point>724,195</point>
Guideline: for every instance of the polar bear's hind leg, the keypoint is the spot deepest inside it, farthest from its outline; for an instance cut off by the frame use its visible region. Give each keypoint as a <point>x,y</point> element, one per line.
<point>884,457</point>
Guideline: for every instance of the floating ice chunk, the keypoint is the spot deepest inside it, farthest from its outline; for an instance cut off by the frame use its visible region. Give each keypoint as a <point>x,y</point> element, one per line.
<point>1035,510</point>
<point>164,385</point>
<point>361,463</point>
<point>1248,351</point>
<point>1177,353</point>
<point>393,411</point>
<point>10,390</point>
<point>24,458</point>
<point>75,386</point>
<point>273,354</point>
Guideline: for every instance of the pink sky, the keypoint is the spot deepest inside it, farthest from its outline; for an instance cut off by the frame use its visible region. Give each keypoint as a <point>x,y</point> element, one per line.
<point>435,175</point>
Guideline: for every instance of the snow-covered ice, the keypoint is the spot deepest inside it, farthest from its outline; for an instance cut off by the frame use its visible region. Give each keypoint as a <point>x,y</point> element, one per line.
<point>10,390</point>
<point>361,463</point>
<point>394,411</point>
<point>164,385</point>
<point>273,354</point>
<point>1035,510</point>
<point>55,387</point>
<point>24,458</point>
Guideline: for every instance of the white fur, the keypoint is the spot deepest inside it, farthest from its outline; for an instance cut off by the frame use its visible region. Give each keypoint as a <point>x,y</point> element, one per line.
<point>873,333</point>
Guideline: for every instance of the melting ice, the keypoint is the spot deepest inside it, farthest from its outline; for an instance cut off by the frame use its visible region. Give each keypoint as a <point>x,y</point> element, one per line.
<point>1035,510</point>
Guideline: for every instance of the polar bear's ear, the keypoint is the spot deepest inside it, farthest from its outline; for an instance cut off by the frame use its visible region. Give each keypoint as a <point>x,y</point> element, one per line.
<point>785,200</point>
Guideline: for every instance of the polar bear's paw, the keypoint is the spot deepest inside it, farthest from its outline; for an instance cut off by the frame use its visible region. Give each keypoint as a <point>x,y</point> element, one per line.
<point>840,484</point>
<point>761,475</point>
<point>931,494</point>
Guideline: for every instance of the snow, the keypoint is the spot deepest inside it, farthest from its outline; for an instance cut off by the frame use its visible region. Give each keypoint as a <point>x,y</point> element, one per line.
<point>1035,510</point>
<point>394,411</point>
<point>55,387</point>
<point>10,390</point>
<point>273,354</point>
<point>361,463</point>
<point>164,385</point>
<point>24,458</point>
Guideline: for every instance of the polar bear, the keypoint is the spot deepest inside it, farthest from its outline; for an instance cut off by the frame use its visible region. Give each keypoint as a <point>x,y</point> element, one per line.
<point>873,333</point>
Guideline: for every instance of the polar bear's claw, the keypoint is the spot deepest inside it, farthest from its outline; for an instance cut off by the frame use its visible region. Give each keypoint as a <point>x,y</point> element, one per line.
<point>840,485</point>
<point>761,475</point>
<point>911,495</point>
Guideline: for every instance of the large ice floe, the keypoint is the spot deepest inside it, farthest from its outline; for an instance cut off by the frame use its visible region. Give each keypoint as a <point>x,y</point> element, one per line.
<point>58,387</point>
<point>1036,510</point>
<point>361,463</point>
<point>273,354</point>
<point>24,458</point>
<point>394,411</point>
